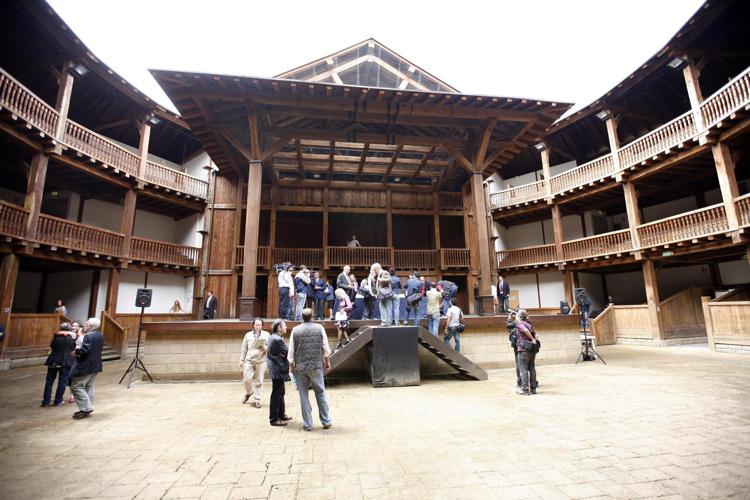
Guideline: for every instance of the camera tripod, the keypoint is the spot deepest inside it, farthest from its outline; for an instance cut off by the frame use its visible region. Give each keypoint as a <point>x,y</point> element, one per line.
<point>586,347</point>
<point>136,364</point>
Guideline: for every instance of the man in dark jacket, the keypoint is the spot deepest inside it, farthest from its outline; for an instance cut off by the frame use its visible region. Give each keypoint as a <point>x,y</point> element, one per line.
<point>414,294</point>
<point>320,288</point>
<point>87,365</point>
<point>209,308</point>
<point>59,362</point>
<point>503,293</point>
<point>278,369</point>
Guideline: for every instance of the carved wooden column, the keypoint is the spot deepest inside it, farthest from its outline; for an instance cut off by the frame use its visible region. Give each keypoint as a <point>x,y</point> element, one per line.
<point>250,262</point>
<point>62,104</point>
<point>692,75</point>
<point>127,221</point>
<point>614,141</point>
<point>557,229</point>
<point>113,287</point>
<point>144,131</point>
<point>652,300</point>
<point>35,192</point>
<point>544,153</point>
<point>728,185</point>
<point>634,216</point>
<point>8,277</point>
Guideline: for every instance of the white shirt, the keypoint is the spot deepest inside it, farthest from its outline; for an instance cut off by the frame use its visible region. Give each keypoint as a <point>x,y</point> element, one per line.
<point>250,354</point>
<point>453,316</point>
<point>326,347</point>
<point>285,279</point>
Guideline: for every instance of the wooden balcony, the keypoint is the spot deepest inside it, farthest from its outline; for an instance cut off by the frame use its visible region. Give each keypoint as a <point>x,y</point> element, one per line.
<point>359,257</point>
<point>12,220</point>
<point>160,252</point>
<point>415,259</point>
<point>527,257</point>
<point>602,245</point>
<point>23,105</point>
<point>263,254</point>
<point>62,233</point>
<point>743,208</point>
<point>725,104</point>
<point>701,223</point>
<point>450,201</point>
<point>310,257</point>
<point>455,258</point>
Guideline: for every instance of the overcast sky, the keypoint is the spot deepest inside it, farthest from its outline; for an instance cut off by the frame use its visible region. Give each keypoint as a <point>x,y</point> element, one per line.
<point>570,51</point>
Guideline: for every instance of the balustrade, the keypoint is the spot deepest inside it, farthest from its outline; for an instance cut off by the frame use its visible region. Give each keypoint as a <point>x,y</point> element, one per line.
<point>732,97</point>
<point>13,220</point>
<point>358,257</point>
<point>696,224</point>
<point>528,256</point>
<point>23,103</point>
<point>656,142</point>
<point>415,259</point>
<point>598,246</point>
<point>517,195</point>
<point>101,148</point>
<point>743,208</point>
<point>310,257</point>
<point>450,201</point>
<point>176,180</point>
<point>582,175</point>
<point>454,258</point>
<point>75,236</point>
<point>164,253</point>
<point>411,201</point>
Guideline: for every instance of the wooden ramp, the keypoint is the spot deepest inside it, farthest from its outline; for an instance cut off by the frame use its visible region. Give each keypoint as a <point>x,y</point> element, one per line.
<point>363,336</point>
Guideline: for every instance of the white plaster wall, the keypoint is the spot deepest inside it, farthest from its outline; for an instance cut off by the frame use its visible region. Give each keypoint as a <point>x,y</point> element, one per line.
<point>627,288</point>
<point>194,166</point>
<point>551,289</point>
<point>734,272</point>
<point>102,214</point>
<point>74,288</point>
<point>186,230</point>
<point>101,297</point>
<point>668,209</point>
<point>674,280</point>
<point>27,290</point>
<point>154,226</point>
<point>166,289</point>
<point>147,224</point>
<point>525,235</point>
<point>527,291</point>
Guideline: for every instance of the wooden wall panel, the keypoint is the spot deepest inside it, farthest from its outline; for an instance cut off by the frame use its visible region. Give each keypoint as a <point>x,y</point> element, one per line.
<point>222,240</point>
<point>226,189</point>
<point>682,314</point>
<point>224,288</point>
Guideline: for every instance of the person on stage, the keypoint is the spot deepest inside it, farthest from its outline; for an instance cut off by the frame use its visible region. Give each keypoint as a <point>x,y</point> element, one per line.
<point>278,370</point>
<point>253,361</point>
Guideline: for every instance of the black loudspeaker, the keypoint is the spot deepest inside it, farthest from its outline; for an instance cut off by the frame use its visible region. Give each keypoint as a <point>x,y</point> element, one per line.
<point>143,297</point>
<point>564,307</point>
<point>581,297</point>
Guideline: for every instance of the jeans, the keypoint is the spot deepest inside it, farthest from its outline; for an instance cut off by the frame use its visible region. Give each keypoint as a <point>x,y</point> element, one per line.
<point>301,298</point>
<point>503,303</point>
<point>320,308</point>
<point>452,332</point>
<point>388,310</point>
<point>276,405</point>
<point>433,322</point>
<point>415,308</point>
<point>285,309</point>
<point>528,370</point>
<point>518,372</point>
<point>83,390</point>
<point>52,373</point>
<point>369,308</point>
<point>305,380</point>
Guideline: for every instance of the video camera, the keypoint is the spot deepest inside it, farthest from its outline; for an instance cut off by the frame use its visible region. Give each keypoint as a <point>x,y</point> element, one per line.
<point>283,266</point>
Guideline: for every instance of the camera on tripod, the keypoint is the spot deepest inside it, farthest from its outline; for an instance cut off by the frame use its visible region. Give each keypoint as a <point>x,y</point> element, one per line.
<point>283,266</point>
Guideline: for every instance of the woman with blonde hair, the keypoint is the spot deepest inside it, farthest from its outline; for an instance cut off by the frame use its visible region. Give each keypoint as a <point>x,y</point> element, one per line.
<point>342,316</point>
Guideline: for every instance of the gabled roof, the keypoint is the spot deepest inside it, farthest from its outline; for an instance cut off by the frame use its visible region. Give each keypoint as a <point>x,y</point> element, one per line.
<point>368,63</point>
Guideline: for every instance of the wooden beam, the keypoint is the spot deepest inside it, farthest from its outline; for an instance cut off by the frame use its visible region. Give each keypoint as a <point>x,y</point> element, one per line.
<point>634,215</point>
<point>484,142</point>
<point>330,134</point>
<point>62,104</point>
<point>394,159</point>
<point>727,183</point>
<point>127,220</point>
<point>35,192</point>
<point>421,165</point>
<point>236,144</point>
<point>300,166</point>
<point>8,276</point>
<point>331,154</point>
<point>362,160</point>
<point>557,228</point>
<point>144,133</point>
<point>460,158</point>
<point>652,300</point>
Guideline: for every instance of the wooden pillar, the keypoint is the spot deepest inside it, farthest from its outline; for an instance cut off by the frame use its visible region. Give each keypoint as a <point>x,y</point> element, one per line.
<point>483,244</point>
<point>201,281</point>
<point>62,104</point>
<point>252,219</point>
<point>614,140</point>
<point>727,183</point>
<point>325,226</point>
<point>436,219</point>
<point>389,225</point>
<point>692,75</point>
<point>634,215</point>
<point>273,286</point>
<point>568,287</point>
<point>652,300</point>
<point>127,221</point>
<point>113,287</point>
<point>8,277</point>
<point>558,231</point>
<point>144,130</point>
<point>94,293</point>
<point>236,241</point>
<point>544,153</point>
<point>35,192</point>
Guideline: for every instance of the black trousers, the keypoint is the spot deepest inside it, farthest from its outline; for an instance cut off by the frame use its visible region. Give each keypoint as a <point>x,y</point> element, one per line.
<point>277,399</point>
<point>320,308</point>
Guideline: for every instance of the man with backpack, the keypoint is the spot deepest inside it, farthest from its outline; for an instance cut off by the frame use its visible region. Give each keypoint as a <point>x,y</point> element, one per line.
<point>512,338</point>
<point>528,346</point>
<point>414,294</point>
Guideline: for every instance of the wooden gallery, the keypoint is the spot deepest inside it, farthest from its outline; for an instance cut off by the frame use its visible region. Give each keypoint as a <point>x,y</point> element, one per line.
<point>641,197</point>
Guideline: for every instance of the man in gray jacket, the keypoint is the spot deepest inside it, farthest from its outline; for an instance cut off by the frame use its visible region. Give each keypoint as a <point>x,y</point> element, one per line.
<point>308,358</point>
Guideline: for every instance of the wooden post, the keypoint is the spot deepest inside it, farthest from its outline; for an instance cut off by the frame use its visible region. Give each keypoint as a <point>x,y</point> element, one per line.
<point>727,183</point>
<point>94,293</point>
<point>483,244</point>
<point>273,286</point>
<point>113,287</point>
<point>708,319</point>
<point>325,227</point>
<point>35,192</point>
<point>634,216</point>
<point>144,130</point>
<point>692,81</point>
<point>568,287</point>
<point>558,231</point>
<point>199,285</point>
<point>127,221</point>
<point>62,104</point>
<point>614,141</point>
<point>652,300</point>
<point>8,277</point>
<point>544,153</point>
<point>436,220</point>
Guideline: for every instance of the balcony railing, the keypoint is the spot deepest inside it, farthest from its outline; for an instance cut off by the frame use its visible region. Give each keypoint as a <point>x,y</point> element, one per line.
<point>696,224</point>
<point>415,259</point>
<point>75,236</point>
<point>22,103</point>
<point>164,253</point>
<point>724,103</point>
<point>743,207</point>
<point>310,257</point>
<point>450,201</point>
<point>452,258</point>
<point>359,257</point>
<point>12,220</point>
<point>601,245</point>
<point>263,252</point>
<point>529,256</point>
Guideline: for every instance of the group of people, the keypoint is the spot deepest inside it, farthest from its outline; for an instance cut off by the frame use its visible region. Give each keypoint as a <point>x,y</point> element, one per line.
<point>75,359</point>
<point>306,357</point>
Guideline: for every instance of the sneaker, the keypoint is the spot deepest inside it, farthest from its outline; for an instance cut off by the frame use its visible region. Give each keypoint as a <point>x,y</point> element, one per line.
<point>278,423</point>
<point>327,426</point>
<point>257,404</point>
<point>286,418</point>
<point>244,400</point>
<point>308,429</point>
<point>82,414</point>
<point>521,392</point>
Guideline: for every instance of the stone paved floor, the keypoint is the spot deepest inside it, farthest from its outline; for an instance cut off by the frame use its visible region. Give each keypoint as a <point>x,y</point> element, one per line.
<point>652,423</point>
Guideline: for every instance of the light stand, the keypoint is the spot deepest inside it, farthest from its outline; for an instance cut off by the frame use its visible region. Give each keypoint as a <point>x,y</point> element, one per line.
<point>142,300</point>
<point>586,347</point>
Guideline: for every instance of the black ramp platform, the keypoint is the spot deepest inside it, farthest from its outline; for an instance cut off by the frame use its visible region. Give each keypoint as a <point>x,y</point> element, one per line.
<point>393,358</point>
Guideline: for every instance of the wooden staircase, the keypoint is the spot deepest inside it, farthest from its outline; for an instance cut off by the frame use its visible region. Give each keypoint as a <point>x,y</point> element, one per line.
<point>109,353</point>
<point>363,336</point>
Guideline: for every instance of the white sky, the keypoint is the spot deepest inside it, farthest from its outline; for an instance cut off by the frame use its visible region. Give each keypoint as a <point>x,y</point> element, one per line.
<point>570,51</point>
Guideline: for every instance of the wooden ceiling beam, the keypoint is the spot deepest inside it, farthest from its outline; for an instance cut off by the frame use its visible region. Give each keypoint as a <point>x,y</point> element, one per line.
<point>425,157</point>
<point>373,138</point>
<point>458,156</point>
<point>362,160</point>
<point>300,166</point>
<point>394,159</point>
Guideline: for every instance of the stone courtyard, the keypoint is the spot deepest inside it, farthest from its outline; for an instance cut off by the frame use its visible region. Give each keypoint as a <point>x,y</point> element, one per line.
<point>669,422</point>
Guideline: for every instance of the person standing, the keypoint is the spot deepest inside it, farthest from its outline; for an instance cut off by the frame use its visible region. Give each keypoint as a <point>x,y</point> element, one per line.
<point>58,364</point>
<point>209,307</point>
<point>308,358</point>
<point>449,291</point>
<point>397,289</point>
<point>330,297</point>
<point>343,282</point>
<point>76,333</point>
<point>301,281</point>
<point>476,297</point>
<point>319,289</point>
<point>366,289</point>
<point>278,370</point>
<point>87,365</point>
<point>433,309</point>
<point>454,315</point>
<point>513,339</point>
<point>353,242</point>
<point>384,293</point>
<point>60,308</point>
<point>503,293</point>
<point>414,293</point>
<point>286,292</point>
<point>342,317</point>
<point>253,361</point>
<point>528,346</point>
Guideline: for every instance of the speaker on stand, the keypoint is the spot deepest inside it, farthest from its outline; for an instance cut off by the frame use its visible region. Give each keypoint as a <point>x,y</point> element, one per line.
<point>142,300</point>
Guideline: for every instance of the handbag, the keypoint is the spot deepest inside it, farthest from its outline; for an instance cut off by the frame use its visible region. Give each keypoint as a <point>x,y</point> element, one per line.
<point>413,298</point>
<point>461,327</point>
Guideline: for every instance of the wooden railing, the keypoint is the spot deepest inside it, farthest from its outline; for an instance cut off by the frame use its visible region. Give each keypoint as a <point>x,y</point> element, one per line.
<point>164,253</point>
<point>115,335</point>
<point>21,102</point>
<point>528,256</point>
<point>262,260</point>
<point>603,326</point>
<point>727,324</point>
<point>75,236</point>
<point>174,179</point>
<point>310,257</point>
<point>299,197</point>
<point>454,258</point>
<point>517,195</point>
<point>450,201</point>
<point>682,314</point>
<point>743,208</point>
<point>580,176</point>
<point>729,99</point>
<point>352,198</point>
<point>598,246</point>
<point>412,201</point>
<point>29,334</point>
<point>13,220</point>
<point>722,104</point>
<point>415,259</point>
<point>358,257</point>
<point>696,224</point>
